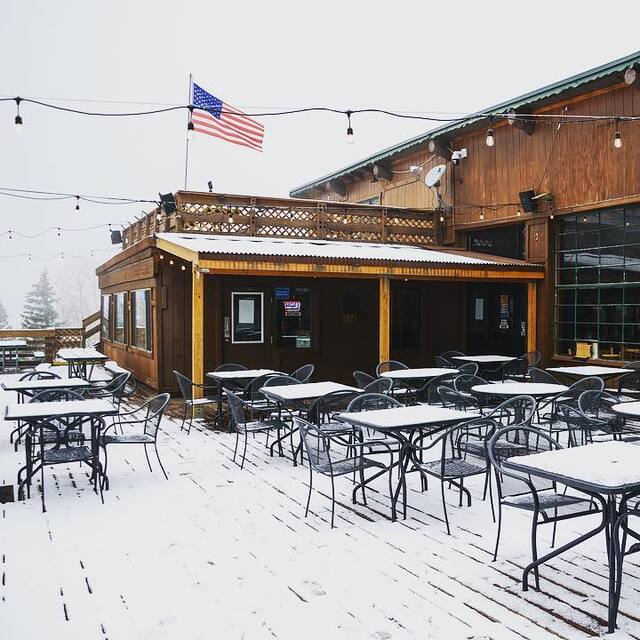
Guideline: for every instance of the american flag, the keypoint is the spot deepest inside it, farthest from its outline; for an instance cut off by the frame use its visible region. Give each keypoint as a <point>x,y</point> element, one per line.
<point>221,120</point>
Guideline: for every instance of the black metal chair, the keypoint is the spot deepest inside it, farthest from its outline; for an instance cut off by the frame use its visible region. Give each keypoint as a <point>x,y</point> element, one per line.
<point>231,366</point>
<point>628,387</point>
<point>113,390</point>
<point>390,365</point>
<point>191,402</point>
<point>531,493</point>
<point>232,385</point>
<point>244,426</point>
<point>515,369</point>
<point>599,419</point>
<point>323,412</point>
<point>379,385</point>
<point>281,380</point>
<point>254,399</point>
<point>362,379</point>
<point>462,455</point>
<point>452,353</point>
<point>541,376</point>
<point>444,363</point>
<point>333,457</point>
<point>39,375</point>
<point>428,393</point>
<point>620,542</point>
<point>452,399</point>
<point>303,373</point>
<point>142,425</point>
<point>469,368</point>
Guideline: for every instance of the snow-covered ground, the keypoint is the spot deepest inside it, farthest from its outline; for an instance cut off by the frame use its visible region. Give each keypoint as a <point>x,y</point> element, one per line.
<point>220,553</point>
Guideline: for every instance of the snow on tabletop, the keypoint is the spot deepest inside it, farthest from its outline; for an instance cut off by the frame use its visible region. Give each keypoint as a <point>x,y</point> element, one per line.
<point>97,406</point>
<point>628,408</point>
<point>589,370</point>
<point>399,417</point>
<point>484,359</point>
<point>417,373</point>
<point>244,373</point>
<point>520,388</point>
<point>305,390</point>
<point>62,383</point>
<point>81,354</point>
<point>605,464</point>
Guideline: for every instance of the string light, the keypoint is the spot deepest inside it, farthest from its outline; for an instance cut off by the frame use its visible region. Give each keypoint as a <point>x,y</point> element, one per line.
<point>58,233</point>
<point>617,138</point>
<point>77,203</point>
<point>171,261</point>
<point>191,131</point>
<point>18,120</point>
<point>57,256</point>
<point>350,139</point>
<point>183,267</point>
<point>490,141</point>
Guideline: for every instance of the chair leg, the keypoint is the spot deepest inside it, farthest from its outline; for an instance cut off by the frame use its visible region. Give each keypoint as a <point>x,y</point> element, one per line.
<point>306,511</point>
<point>44,509</point>
<point>444,506</point>
<point>235,449</point>
<point>534,548</point>
<point>191,419</point>
<point>493,511</point>
<point>364,495</point>
<point>184,416</point>
<point>495,552</point>
<point>244,450</point>
<point>146,453</point>
<point>333,501</point>
<point>155,446</point>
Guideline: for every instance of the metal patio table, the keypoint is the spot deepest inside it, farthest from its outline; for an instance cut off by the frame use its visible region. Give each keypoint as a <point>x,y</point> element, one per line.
<point>510,389</point>
<point>427,373</point>
<point>404,424</point>
<point>35,412</point>
<point>605,471</point>
<point>588,371</point>
<point>79,359</point>
<point>485,359</point>
<point>9,346</point>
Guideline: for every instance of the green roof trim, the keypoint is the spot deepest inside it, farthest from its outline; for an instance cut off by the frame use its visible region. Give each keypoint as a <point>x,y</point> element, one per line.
<point>573,85</point>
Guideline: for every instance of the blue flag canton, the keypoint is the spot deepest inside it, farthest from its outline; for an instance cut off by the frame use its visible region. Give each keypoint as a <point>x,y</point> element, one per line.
<point>204,100</point>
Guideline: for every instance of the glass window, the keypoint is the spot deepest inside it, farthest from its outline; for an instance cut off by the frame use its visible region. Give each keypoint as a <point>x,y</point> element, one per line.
<point>247,317</point>
<point>141,319</point>
<point>598,283</point>
<point>294,317</point>
<point>105,318</point>
<point>119,301</point>
<point>405,318</point>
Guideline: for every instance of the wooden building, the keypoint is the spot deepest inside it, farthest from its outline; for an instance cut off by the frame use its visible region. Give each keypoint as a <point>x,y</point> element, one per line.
<point>585,232</point>
<point>278,283</point>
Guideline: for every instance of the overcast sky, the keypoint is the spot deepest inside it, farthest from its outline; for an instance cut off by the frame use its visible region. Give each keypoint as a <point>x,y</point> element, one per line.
<point>452,57</point>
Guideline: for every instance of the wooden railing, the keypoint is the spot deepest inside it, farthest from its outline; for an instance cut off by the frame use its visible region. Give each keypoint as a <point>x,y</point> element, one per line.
<point>287,218</point>
<point>91,327</point>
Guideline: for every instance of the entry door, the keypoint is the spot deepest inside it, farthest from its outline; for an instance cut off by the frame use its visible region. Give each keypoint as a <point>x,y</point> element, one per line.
<point>496,321</point>
<point>246,326</point>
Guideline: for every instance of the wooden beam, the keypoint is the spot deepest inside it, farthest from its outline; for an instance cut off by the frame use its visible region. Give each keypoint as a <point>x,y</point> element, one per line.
<point>197,330</point>
<point>440,148</point>
<point>532,304</point>
<point>177,250</point>
<point>384,329</point>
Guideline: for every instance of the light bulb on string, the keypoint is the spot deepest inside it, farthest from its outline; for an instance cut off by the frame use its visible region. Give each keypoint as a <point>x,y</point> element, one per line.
<point>171,262</point>
<point>490,140</point>
<point>77,203</point>
<point>617,138</point>
<point>191,132</point>
<point>10,236</point>
<point>350,139</point>
<point>58,232</point>
<point>18,120</point>
<point>183,267</point>
<point>29,258</point>
<point>481,214</point>
<point>441,217</point>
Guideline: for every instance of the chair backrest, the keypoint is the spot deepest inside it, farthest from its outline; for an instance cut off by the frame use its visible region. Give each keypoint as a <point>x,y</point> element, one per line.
<point>362,379</point>
<point>465,382</point>
<point>541,376</point>
<point>596,406</point>
<point>571,395</point>
<point>629,381</point>
<point>451,354</point>
<point>186,386</point>
<point>428,393</point>
<point>380,385</point>
<point>324,407</point>
<point>236,411</point>
<point>469,368</point>
<point>279,381</point>
<point>56,395</point>
<point>533,358</point>
<point>316,444</point>
<point>372,401</point>
<point>231,366</point>
<point>467,441</point>
<point>512,441</point>
<point>517,367</point>
<point>444,363</point>
<point>453,399</point>
<point>40,375</point>
<point>303,373</point>
<point>155,410</point>
<point>514,412</point>
<point>390,365</point>
<point>634,364</point>
<point>252,390</point>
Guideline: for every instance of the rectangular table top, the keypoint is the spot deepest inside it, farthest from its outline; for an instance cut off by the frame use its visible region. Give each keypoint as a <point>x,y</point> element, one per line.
<point>584,371</point>
<point>535,389</point>
<point>30,410</point>
<point>602,467</point>
<point>305,391</point>
<point>80,353</point>
<point>631,409</point>
<point>484,359</point>
<point>41,385</point>
<point>421,415</point>
<point>413,374</point>
<point>243,374</point>
<point>12,344</point>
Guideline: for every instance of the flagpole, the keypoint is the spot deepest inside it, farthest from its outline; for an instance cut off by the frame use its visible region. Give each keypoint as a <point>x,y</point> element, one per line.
<point>189,114</point>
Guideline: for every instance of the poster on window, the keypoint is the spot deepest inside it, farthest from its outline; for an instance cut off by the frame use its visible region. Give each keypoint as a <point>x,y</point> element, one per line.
<point>504,311</point>
<point>292,308</point>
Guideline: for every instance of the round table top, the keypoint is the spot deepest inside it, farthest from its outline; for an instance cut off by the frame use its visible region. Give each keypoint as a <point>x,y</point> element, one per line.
<point>627,409</point>
<point>413,374</point>
<point>535,389</point>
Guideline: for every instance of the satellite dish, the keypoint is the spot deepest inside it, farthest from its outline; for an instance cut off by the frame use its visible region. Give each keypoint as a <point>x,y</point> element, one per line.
<point>432,179</point>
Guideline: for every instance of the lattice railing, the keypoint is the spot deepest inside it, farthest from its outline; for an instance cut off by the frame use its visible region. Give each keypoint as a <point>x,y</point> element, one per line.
<point>286,218</point>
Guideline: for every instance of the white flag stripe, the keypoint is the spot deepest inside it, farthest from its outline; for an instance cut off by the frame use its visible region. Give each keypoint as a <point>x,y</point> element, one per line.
<point>232,136</point>
<point>212,122</point>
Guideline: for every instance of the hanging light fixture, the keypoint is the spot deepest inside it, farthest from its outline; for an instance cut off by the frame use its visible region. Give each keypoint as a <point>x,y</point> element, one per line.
<point>481,213</point>
<point>77,203</point>
<point>18,120</point>
<point>350,139</point>
<point>490,141</point>
<point>617,138</point>
<point>191,131</point>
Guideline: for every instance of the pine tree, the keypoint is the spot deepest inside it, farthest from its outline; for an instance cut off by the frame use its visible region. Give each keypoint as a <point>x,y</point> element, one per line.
<point>4,317</point>
<point>39,312</point>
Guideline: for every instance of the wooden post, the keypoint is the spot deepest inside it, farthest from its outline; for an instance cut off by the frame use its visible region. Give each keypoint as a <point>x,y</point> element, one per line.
<point>384,305</point>
<point>531,315</point>
<point>197,329</point>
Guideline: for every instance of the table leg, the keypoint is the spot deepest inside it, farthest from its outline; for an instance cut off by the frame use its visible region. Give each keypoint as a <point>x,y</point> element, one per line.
<point>612,514</point>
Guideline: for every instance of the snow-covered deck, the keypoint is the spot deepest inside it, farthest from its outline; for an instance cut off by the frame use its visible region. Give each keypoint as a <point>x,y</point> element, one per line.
<point>219,553</point>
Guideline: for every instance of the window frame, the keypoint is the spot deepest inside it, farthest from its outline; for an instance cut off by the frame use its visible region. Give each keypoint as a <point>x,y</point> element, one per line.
<point>106,335</point>
<point>260,296</point>
<point>124,317</point>
<point>146,291</point>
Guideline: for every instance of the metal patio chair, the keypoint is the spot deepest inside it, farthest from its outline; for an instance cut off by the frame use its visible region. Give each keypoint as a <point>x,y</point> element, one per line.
<point>190,402</point>
<point>114,390</point>
<point>390,365</point>
<point>379,385</point>
<point>332,457</point>
<point>452,353</point>
<point>428,393</point>
<point>444,363</point>
<point>303,373</point>
<point>142,425</point>
<point>469,368</point>
<point>362,379</point>
<point>462,455</point>
<point>527,492</point>
<point>542,376</point>
<point>452,399</point>
<point>232,385</point>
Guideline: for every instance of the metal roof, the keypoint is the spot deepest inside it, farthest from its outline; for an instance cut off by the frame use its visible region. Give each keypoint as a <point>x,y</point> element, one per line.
<point>572,85</point>
<point>331,250</point>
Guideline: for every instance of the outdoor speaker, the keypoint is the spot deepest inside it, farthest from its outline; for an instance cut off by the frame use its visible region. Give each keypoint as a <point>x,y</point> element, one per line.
<point>527,201</point>
<point>116,237</point>
<point>168,203</point>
